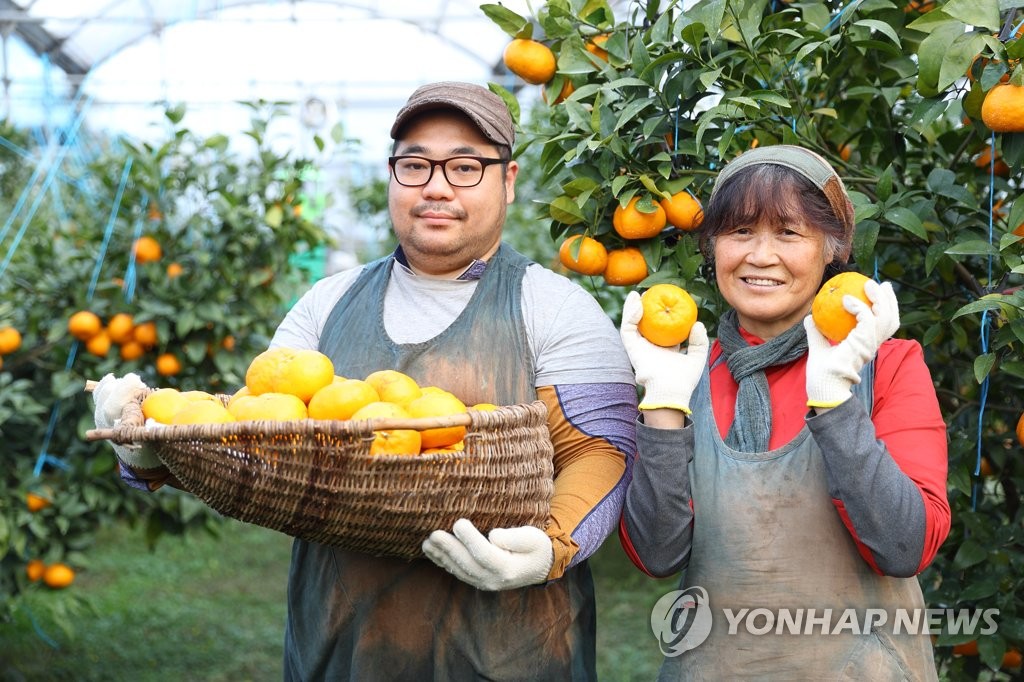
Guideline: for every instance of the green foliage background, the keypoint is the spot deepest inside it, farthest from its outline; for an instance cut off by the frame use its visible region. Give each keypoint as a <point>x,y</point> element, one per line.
<point>683,91</point>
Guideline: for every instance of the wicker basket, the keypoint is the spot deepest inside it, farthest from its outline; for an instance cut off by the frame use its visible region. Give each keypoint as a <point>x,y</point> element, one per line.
<point>315,479</point>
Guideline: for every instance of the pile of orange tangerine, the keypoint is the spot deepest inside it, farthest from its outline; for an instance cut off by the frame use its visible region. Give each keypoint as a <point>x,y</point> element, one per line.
<point>284,384</point>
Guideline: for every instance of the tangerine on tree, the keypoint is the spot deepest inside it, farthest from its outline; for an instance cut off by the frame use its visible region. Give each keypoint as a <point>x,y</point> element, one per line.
<point>174,270</point>
<point>668,315</point>
<point>34,570</point>
<point>595,46</point>
<point>626,267</point>
<point>84,325</point>
<point>591,255</point>
<point>1003,108</point>
<point>146,249</point>
<point>830,317</point>
<point>145,334</point>
<point>683,211</point>
<point>58,575</point>
<point>10,340</point>
<point>36,502</point>
<point>120,328</point>
<point>99,344</point>
<point>167,364</point>
<point>632,223</point>
<point>531,60</point>
<point>132,350</point>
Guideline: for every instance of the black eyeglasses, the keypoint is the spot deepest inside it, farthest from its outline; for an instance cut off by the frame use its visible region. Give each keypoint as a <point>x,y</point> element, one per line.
<point>459,171</point>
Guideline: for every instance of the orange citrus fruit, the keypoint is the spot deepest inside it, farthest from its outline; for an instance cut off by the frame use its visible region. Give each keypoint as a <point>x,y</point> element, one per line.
<point>997,167</point>
<point>84,325</point>
<point>827,311</point>
<point>174,270</point>
<point>484,407</point>
<point>120,327</point>
<point>390,441</point>
<point>268,406</point>
<point>845,152</point>
<point>1003,108</point>
<point>228,343</point>
<point>240,393</point>
<point>58,575</point>
<point>341,399</point>
<point>202,412</point>
<point>147,250</point>
<point>591,259</point>
<point>10,340</point>
<point>35,502</point>
<point>632,223</point>
<point>199,395</point>
<point>438,405</point>
<point>99,344</point>
<point>1012,659</point>
<point>145,334</point>
<point>301,372</point>
<point>167,364</point>
<point>683,211</point>
<point>594,46</point>
<point>1020,430</point>
<point>452,449</point>
<point>532,61</point>
<point>162,404</point>
<point>668,315</point>
<point>625,267</point>
<point>34,569</point>
<point>393,386</point>
<point>132,350</point>
<point>966,649</point>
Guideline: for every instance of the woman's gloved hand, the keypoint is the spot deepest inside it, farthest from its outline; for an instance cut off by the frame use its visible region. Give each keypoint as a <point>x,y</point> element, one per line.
<point>833,370</point>
<point>110,396</point>
<point>506,559</point>
<point>668,376</point>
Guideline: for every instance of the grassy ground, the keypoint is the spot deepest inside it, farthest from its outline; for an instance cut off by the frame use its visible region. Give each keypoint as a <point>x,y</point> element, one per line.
<point>213,610</point>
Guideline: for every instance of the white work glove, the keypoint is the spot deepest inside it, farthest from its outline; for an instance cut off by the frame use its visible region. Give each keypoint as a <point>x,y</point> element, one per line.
<point>668,376</point>
<point>110,396</point>
<point>833,370</point>
<point>506,559</point>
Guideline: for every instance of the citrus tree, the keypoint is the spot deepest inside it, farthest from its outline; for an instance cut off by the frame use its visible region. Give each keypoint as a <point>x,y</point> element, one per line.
<point>918,105</point>
<point>171,260</point>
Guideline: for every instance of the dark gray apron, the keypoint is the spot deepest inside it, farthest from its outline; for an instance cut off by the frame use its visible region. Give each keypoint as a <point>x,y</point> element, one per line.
<point>356,617</point>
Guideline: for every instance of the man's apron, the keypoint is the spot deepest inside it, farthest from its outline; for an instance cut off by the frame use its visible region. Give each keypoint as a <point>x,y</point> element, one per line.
<point>766,535</point>
<point>356,617</point>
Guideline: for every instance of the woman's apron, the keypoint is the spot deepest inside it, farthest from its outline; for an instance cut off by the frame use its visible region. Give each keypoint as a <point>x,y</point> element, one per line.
<point>352,616</point>
<point>766,535</point>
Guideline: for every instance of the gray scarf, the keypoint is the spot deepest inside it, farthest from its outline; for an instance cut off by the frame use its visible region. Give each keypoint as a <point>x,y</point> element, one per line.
<point>752,420</point>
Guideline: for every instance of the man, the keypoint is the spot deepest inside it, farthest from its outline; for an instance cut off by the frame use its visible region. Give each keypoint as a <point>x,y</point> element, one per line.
<point>454,307</point>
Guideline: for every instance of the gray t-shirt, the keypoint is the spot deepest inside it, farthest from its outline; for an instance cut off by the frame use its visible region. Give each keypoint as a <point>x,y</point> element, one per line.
<point>557,312</point>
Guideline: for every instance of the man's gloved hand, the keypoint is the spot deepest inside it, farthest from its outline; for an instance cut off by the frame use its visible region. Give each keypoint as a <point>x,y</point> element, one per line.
<point>833,370</point>
<point>506,559</point>
<point>110,396</point>
<point>668,376</point>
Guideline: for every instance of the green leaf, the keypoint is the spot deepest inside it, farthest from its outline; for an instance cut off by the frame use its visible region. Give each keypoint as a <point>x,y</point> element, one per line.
<point>825,111</point>
<point>908,220</point>
<point>958,58</point>
<point>646,181</point>
<point>969,554</point>
<point>508,21</point>
<point>978,306</point>
<point>931,54</point>
<point>1016,217</point>
<point>972,247</point>
<point>564,210</point>
<point>984,13</point>
<point>983,365</point>
<point>881,27</point>
<point>770,97</point>
<point>884,186</point>
<point>979,590</point>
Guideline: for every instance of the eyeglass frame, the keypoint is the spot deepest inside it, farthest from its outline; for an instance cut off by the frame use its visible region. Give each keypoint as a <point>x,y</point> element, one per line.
<point>434,163</point>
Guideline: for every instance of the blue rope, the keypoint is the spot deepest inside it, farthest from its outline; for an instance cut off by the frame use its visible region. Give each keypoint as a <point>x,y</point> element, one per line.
<point>39,631</point>
<point>985,325</point>
<point>62,150</point>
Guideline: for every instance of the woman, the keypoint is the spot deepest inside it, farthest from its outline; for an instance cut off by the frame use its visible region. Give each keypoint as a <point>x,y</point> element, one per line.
<point>779,472</point>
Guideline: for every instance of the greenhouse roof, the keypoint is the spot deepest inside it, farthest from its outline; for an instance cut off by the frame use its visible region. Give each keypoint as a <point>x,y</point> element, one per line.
<point>343,62</point>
